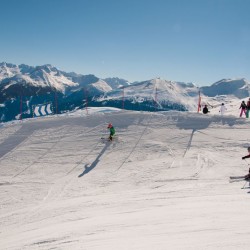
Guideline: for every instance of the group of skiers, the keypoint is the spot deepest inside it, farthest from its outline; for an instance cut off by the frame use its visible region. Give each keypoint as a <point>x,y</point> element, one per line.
<point>244,107</point>
<point>222,109</point>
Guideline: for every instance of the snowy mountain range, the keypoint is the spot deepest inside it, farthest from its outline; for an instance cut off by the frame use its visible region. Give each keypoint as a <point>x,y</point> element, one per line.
<point>46,76</point>
<point>25,86</point>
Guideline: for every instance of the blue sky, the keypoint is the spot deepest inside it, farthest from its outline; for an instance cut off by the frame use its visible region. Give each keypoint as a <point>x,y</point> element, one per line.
<point>200,41</point>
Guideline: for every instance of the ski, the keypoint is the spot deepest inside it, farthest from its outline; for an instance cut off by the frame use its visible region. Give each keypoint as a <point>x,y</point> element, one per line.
<point>240,178</point>
<point>236,180</point>
<point>236,177</point>
<point>106,139</point>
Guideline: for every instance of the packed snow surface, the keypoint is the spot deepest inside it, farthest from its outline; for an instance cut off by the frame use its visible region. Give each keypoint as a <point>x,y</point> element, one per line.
<point>163,183</point>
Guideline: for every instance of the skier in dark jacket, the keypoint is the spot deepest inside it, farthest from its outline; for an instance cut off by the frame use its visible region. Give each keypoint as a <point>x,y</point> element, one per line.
<point>247,177</point>
<point>205,110</point>
<point>248,108</point>
<point>112,131</point>
<point>243,108</point>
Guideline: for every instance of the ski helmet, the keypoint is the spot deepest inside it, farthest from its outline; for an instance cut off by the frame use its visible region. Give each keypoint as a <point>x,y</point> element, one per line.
<point>110,125</point>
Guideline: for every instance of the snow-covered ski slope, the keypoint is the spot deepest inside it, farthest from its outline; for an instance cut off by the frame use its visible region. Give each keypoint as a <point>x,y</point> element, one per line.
<point>162,184</point>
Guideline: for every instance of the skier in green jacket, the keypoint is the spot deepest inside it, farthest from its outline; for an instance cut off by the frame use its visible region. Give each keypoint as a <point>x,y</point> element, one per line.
<point>112,131</point>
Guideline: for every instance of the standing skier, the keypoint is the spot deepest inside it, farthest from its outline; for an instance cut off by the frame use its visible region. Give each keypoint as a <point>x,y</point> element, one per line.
<point>112,131</point>
<point>243,108</point>
<point>222,109</point>
<point>248,108</point>
<point>205,110</point>
<point>247,177</point>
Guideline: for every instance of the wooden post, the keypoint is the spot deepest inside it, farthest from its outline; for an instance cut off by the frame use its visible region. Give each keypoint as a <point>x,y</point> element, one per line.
<point>199,102</point>
<point>155,99</point>
<point>56,103</point>
<point>123,96</point>
<point>21,107</point>
<point>86,99</point>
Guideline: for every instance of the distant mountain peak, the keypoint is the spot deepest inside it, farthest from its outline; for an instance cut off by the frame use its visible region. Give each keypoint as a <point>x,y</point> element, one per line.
<point>231,80</point>
<point>116,82</point>
<point>47,68</point>
<point>9,65</point>
<point>238,87</point>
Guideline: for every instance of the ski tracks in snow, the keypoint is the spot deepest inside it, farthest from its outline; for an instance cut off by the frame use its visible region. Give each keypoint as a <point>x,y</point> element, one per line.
<point>57,188</point>
<point>62,183</point>
<point>136,144</point>
<point>41,156</point>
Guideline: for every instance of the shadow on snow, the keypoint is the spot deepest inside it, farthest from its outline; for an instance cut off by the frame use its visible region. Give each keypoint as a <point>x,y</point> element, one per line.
<point>88,168</point>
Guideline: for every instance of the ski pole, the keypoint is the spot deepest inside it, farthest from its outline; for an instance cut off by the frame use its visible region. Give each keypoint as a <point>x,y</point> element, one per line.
<point>246,162</point>
<point>244,185</point>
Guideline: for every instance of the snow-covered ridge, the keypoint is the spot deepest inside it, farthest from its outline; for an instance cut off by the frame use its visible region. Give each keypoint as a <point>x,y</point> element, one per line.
<point>49,76</point>
<point>8,70</point>
<point>158,90</point>
<point>44,76</point>
<point>102,85</point>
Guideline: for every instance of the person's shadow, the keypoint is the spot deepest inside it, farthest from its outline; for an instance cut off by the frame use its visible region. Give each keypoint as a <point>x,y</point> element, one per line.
<point>88,168</point>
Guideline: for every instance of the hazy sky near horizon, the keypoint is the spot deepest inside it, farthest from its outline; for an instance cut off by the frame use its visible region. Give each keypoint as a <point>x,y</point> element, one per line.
<point>200,41</point>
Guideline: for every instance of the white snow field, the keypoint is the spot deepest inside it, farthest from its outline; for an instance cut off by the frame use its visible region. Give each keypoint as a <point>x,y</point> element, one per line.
<point>163,183</point>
